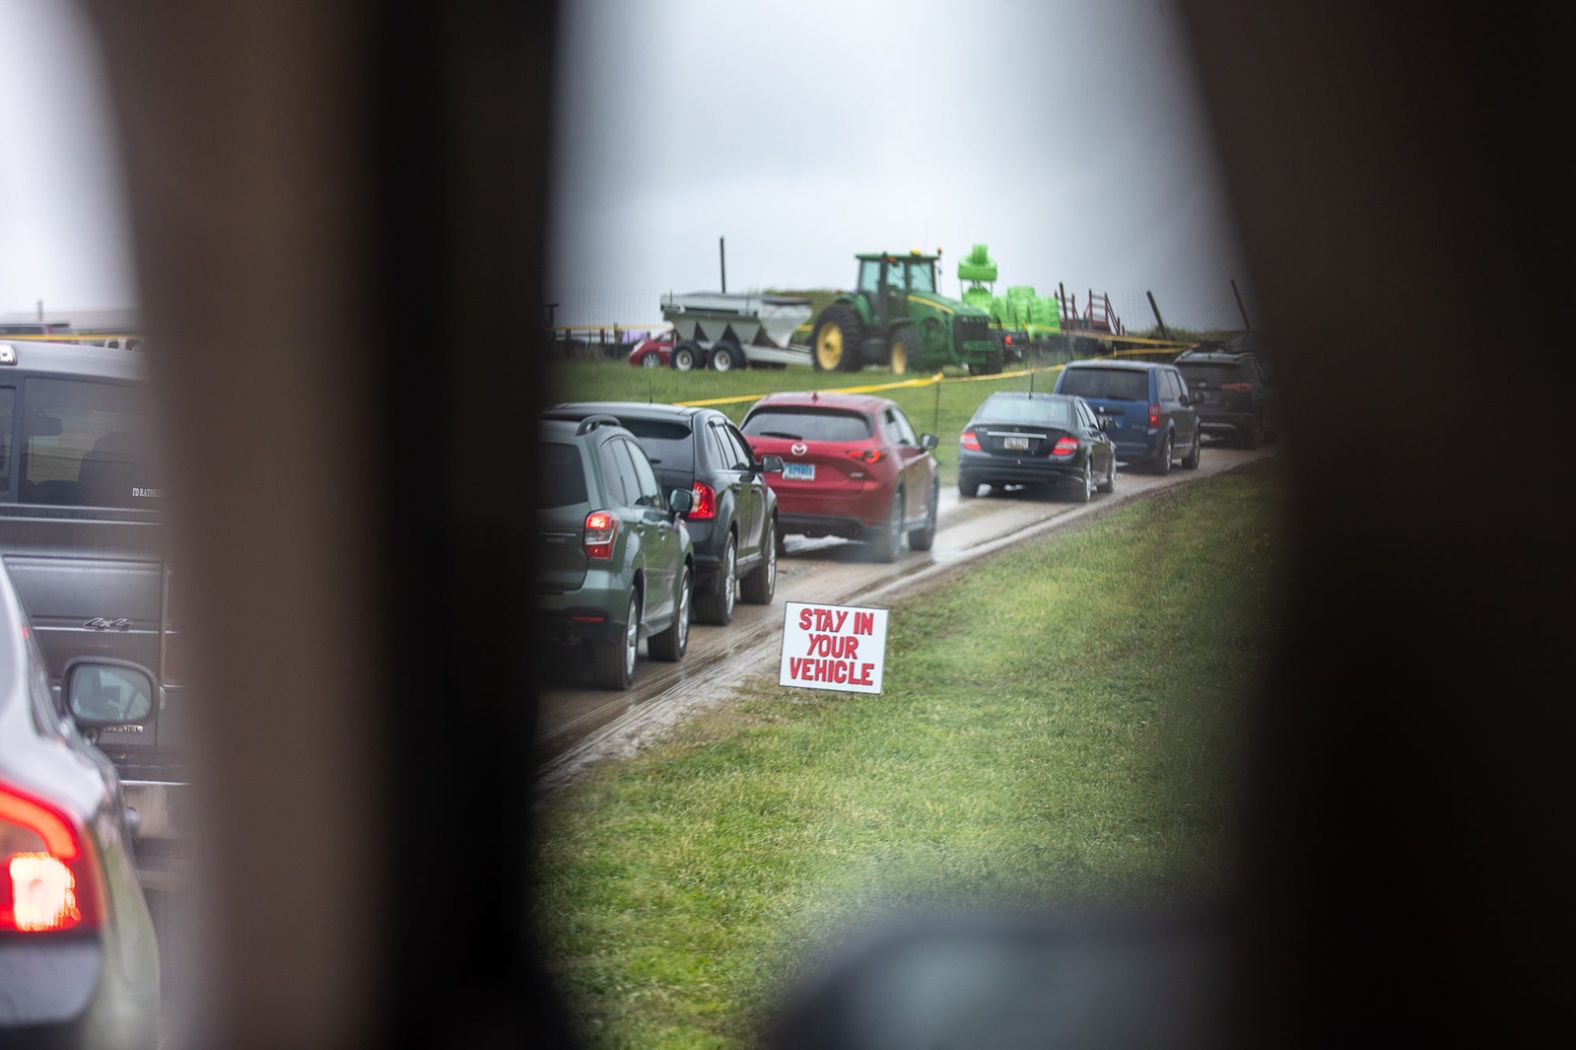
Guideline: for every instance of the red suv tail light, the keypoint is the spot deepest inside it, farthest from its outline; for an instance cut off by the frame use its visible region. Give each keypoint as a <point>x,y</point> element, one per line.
<point>1065,445</point>
<point>1154,415</point>
<point>1238,388</point>
<point>601,527</point>
<point>869,455</point>
<point>969,441</point>
<point>48,882</point>
<point>704,505</point>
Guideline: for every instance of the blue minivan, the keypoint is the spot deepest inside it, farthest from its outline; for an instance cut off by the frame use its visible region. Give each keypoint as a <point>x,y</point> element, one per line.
<point>1153,411</point>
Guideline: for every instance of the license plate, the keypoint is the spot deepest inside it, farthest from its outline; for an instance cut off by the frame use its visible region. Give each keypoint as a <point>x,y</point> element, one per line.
<point>799,471</point>
<point>1017,444</point>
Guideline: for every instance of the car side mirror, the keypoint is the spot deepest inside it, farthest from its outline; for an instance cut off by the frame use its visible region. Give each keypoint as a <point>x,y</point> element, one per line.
<point>771,465</point>
<point>680,501</point>
<point>1105,422</point>
<point>1196,397</point>
<point>928,441</point>
<point>101,693</point>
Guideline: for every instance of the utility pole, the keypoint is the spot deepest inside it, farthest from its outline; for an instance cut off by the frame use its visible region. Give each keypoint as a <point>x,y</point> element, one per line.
<point>1160,321</point>
<point>1243,310</point>
<point>722,261</point>
<point>41,309</point>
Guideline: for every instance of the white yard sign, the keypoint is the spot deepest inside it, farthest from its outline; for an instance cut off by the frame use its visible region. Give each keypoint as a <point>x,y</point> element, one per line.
<point>833,647</point>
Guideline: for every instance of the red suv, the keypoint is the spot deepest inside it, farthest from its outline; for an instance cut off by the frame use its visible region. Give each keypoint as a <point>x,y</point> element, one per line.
<point>852,466</point>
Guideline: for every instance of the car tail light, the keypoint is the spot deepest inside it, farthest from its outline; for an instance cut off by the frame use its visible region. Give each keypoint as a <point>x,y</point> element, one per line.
<point>47,878</point>
<point>601,527</point>
<point>703,507</point>
<point>1065,445</point>
<point>1154,415</point>
<point>868,455</point>
<point>1007,340</point>
<point>1238,388</point>
<point>969,441</point>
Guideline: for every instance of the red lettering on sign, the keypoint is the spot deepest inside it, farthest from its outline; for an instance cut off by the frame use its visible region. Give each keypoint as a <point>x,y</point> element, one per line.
<point>864,623</point>
<point>805,619</point>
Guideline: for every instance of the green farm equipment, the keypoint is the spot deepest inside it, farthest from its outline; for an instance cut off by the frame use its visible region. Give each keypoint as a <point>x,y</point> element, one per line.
<point>1026,323</point>
<point>894,316</point>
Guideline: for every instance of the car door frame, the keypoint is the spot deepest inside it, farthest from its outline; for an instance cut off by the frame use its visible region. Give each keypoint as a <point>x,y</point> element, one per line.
<point>755,488</point>
<point>916,488</point>
<point>660,535</point>
<point>737,489</point>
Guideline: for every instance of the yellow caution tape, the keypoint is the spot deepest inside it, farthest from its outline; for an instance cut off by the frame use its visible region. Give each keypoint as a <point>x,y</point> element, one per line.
<point>70,337</point>
<point>871,388</point>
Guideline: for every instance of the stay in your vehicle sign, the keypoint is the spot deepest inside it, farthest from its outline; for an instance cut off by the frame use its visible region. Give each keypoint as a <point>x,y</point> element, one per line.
<point>833,647</point>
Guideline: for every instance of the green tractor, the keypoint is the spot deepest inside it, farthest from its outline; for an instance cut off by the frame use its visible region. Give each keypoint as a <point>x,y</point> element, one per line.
<point>894,316</point>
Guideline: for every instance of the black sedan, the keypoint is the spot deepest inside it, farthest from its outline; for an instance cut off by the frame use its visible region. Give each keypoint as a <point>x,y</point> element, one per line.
<point>733,513</point>
<point>1018,438</point>
<point>78,962</point>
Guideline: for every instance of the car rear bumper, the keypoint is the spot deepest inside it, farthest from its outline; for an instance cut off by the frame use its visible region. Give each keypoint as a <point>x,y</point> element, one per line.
<point>820,525</point>
<point>1224,422</point>
<point>866,502</point>
<point>1007,470</point>
<point>58,992</point>
<point>593,612</point>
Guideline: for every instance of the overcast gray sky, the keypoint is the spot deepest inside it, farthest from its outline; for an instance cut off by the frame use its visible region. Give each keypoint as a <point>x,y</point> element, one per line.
<point>1068,136</point>
<point>63,230</point>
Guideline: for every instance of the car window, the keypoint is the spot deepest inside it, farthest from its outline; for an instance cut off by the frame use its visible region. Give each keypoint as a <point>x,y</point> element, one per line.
<point>645,478</point>
<point>1106,384</point>
<point>624,457</point>
<point>1040,411</point>
<point>613,473</point>
<point>743,457</point>
<point>563,476</point>
<point>84,444</point>
<point>1213,373</point>
<point>7,410</point>
<point>808,424</point>
<point>720,453</point>
<point>1178,384</point>
<point>905,432</point>
<point>668,442</point>
<point>869,275</point>
<point>920,277</point>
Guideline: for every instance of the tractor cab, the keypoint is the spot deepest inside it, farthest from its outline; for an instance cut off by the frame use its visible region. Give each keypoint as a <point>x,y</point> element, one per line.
<point>886,280</point>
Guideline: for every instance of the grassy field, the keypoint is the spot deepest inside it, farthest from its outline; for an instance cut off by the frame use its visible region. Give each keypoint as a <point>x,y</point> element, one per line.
<point>1057,726</point>
<point>618,381</point>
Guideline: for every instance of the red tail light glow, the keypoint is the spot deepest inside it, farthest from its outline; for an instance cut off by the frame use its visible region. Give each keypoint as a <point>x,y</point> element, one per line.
<point>969,441</point>
<point>1238,388</point>
<point>868,455</point>
<point>1065,445</point>
<point>47,877</point>
<point>601,527</point>
<point>704,505</point>
<point>1007,340</point>
<point>1154,415</point>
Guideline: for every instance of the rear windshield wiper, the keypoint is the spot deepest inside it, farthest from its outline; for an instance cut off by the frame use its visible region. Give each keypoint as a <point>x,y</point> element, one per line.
<point>782,434</point>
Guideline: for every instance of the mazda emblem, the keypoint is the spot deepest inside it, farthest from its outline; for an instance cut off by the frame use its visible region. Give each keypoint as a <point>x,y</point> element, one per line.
<point>799,448</point>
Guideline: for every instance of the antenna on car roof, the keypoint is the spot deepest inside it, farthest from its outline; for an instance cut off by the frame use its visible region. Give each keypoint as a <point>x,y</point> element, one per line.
<point>1031,382</point>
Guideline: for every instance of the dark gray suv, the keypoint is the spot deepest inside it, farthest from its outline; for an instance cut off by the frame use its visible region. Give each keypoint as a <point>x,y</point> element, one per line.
<point>81,537</point>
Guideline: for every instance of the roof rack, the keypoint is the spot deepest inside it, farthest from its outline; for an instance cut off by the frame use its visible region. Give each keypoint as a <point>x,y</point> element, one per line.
<point>590,423</point>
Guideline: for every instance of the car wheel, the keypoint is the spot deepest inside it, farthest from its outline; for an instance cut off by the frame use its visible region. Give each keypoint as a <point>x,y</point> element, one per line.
<point>686,356</point>
<point>725,357</point>
<point>922,539</point>
<point>1109,484</point>
<point>1084,491</point>
<point>968,488</point>
<point>1251,435</point>
<point>1163,460</point>
<point>671,643</point>
<point>613,662</point>
<point>718,608</point>
<point>650,360</point>
<point>1190,461</point>
<point>758,587</point>
<point>889,542</point>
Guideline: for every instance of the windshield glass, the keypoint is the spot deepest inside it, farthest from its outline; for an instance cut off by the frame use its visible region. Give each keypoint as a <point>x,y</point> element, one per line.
<point>84,444</point>
<point>1042,411</point>
<point>563,476</point>
<point>668,442</point>
<point>1107,384</point>
<point>921,277</point>
<point>1213,374</point>
<point>808,424</point>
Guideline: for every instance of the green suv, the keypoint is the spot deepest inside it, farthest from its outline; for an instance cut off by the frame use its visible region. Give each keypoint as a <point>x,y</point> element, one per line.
<point>616,558</point>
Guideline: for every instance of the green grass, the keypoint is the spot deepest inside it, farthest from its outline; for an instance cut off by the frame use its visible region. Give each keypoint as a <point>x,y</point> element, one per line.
<point>618,381</point>
<point>1058,726</point>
